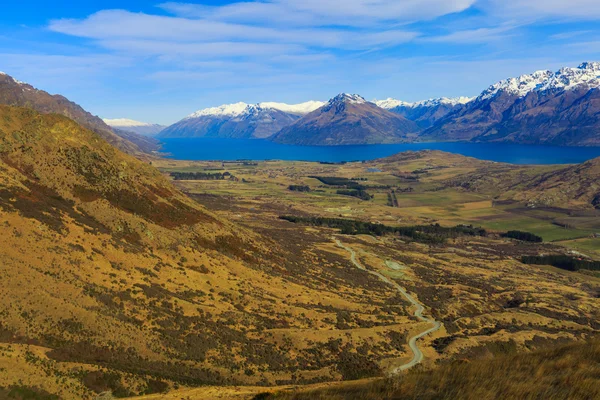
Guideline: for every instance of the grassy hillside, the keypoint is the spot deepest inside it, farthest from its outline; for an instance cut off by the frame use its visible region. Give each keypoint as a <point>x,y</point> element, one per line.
<point>566,372</point>
<point>112,279</point>
<point>20,94</point>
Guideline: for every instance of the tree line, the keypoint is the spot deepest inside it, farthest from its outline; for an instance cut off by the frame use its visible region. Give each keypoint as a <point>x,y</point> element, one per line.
<point>202,176</point>
<point>524,236</point>
<point>337,181</point>
<point>431,234</point>
<point>568,263</point>
<point>361,194</point>
<point>299,188</point>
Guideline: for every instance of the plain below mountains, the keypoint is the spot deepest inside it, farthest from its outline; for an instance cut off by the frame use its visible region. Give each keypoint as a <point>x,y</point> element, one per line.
<point>545,107</point>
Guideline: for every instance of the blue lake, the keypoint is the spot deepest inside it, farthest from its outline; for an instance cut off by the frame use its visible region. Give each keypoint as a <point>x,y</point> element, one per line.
<point>252,149</point>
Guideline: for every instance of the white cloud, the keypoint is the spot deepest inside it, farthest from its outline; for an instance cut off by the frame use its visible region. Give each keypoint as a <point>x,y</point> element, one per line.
<point>111,26</point>
<point>472,36</point>
<point>323,12</point>
<point>206,50</point>
<point>535,9</point>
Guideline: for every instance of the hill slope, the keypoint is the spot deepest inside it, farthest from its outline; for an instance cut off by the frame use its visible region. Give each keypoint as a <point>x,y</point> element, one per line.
<point>113,280</point>
<point>347,119</point>
<point>20,94</point>
<point>565,372</point>
<point>106,248</point>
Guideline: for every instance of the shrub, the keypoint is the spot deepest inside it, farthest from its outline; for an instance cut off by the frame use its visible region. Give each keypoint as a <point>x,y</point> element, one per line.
<point>524,236</point>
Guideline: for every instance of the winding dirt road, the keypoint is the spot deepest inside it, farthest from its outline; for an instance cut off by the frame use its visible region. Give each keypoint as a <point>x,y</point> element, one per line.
<point>412,342</point>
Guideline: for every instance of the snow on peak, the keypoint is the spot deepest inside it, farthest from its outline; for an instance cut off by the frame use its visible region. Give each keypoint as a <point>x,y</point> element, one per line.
<point>230,110</point>
<point>240,109</point>
<point>452,101</point>
<point>117,122</point>
<point>390,103</point>
<point>350,98</point>
<point>587,74</point>
<point>14,80</point>
<point>302,108</point>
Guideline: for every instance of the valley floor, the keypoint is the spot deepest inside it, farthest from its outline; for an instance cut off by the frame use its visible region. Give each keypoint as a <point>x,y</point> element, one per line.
<point>240,302</point>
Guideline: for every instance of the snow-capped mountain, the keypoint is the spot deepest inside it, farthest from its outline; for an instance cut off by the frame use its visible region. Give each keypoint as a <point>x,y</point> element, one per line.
<point>587,75</point>
<point>298,109</point>
<point>425,113</point>
<point>347,119</point>
<point>130,125</point>
<point>391,103</point>
<point>240,109</point>
<point>240,120</point>
<point>559,108</point>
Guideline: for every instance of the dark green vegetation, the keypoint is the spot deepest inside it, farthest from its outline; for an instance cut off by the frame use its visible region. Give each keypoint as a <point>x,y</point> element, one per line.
<point>26,393</point>
<point>565,372</point>
<point>202,176</point>
<point>337,181</point>
<point>392,199</point>
<point>361,194</point>
<point>299,188</point>
<point>523,236</point>
<point>433,234</point>
<point>563,262</point>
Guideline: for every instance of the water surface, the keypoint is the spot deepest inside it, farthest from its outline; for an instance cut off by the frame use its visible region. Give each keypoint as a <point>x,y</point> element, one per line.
<point>254,149</point>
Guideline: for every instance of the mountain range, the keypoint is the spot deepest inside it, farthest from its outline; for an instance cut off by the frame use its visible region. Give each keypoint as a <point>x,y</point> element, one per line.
<point>427,112</point>
<point>240,120</point>
<point>557,108</point>
<point>130,125</point>
<point>545,107</point>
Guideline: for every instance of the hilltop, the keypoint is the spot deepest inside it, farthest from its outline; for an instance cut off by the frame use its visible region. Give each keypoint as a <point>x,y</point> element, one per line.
<point>21,94</point>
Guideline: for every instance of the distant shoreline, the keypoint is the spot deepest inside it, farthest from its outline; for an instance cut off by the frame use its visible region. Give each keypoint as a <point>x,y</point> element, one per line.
<point>216,149</point>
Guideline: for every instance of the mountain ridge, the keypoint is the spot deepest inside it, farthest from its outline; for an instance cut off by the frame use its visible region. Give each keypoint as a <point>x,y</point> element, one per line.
<point>138,127</point>
<point>556,108</point>
<point>544,107</point>
<point>16,93</point>
<point>347,119</point>
<point>239,120</point>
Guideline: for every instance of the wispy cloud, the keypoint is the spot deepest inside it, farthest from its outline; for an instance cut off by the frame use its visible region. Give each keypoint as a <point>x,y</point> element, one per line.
<point>472,36</point>
<point>536,9</point>
<point>192,55</point>
<point>323,12</point>
<point>111,26</point>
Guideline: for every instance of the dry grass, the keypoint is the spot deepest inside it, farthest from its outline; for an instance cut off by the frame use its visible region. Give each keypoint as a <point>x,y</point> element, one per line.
<point>567,372</point>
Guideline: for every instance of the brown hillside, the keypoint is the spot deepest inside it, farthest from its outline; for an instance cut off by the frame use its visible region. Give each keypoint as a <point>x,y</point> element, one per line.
<point>20,94</point>
<point>114,280</point>
<point>560,186</point>
<point>566,372</point>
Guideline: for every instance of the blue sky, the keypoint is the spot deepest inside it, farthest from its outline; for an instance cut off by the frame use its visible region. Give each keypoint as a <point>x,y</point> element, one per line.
<point>158,62</point>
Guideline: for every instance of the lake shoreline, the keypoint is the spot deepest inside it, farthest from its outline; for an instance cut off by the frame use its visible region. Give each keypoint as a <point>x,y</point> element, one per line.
<point>213,149</point>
